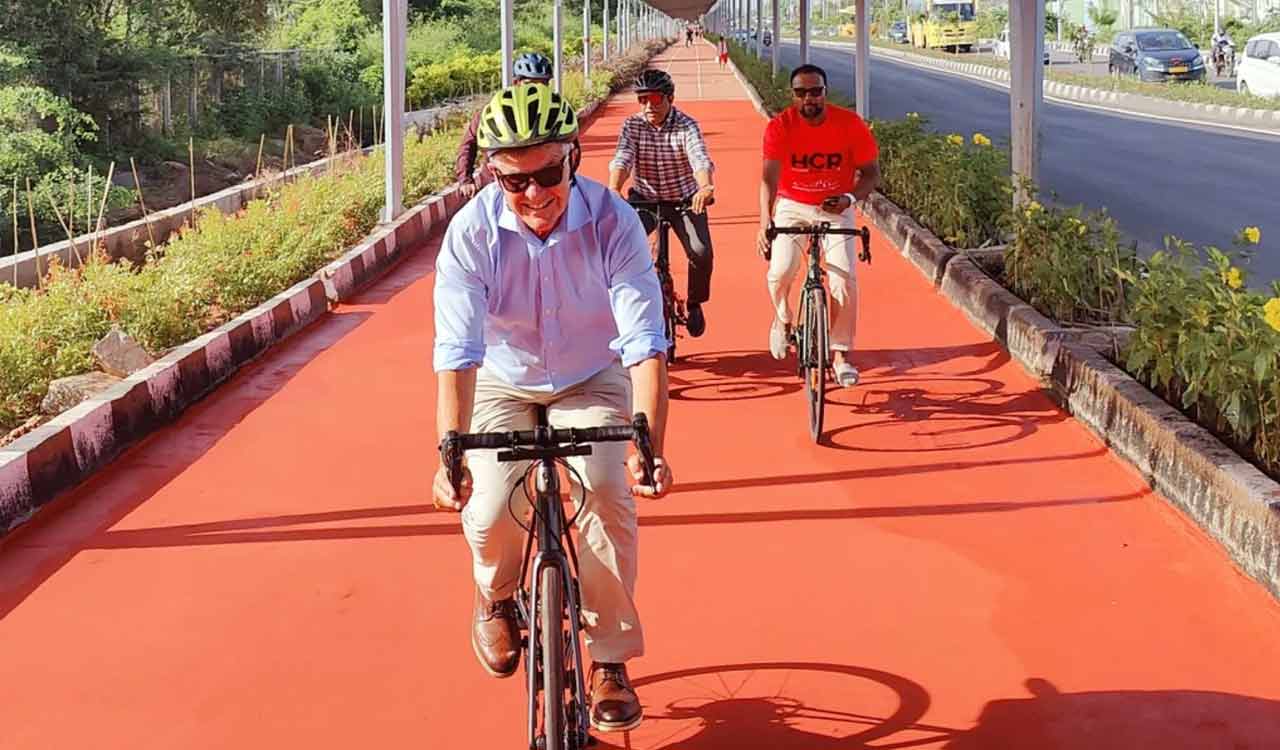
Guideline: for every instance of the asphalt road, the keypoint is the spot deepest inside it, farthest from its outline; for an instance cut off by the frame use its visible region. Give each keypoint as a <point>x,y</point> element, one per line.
<point>1154,177</point>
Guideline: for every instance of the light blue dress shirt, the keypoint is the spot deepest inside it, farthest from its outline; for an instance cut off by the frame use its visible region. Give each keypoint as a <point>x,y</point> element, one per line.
<point>545,315</point>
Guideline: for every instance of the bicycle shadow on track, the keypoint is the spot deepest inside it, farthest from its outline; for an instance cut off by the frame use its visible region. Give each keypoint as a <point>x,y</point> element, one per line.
<point>937,414</point>
<point>780,706</point>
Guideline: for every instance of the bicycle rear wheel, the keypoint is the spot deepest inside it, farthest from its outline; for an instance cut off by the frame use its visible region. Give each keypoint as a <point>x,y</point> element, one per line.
<point>814,356</point>
<point>551,644</point>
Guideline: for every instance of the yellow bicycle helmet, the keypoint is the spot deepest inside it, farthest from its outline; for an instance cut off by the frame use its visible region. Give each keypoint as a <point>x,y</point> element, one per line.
<point>525,115</point>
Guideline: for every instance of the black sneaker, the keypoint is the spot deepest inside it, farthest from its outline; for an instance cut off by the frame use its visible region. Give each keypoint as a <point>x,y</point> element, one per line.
<point>697,323</point>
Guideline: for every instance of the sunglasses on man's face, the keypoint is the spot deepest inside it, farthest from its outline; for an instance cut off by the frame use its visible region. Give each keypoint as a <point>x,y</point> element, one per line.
<point>548,177</point>
<point>815,91</point>
<point>652,99</point>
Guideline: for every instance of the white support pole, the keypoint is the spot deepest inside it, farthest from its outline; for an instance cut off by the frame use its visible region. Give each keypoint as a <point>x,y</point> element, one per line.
<point>862,59</point>
<point>759,29</point>
<point>776,53</point>
<point>395,19</point>
<point>746,42</point>
<point>604,41</point>
<point>804,32</point>
<point>508,41</point>
<point>586,40</point>
<point>558,40</point>
<point>1026,90</point>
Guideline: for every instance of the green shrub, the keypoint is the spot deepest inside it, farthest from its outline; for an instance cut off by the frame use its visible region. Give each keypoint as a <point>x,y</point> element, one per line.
<point>1205,341</point>
<point>225,265</point>
<point>1070,265</point>
<point>960,190</point>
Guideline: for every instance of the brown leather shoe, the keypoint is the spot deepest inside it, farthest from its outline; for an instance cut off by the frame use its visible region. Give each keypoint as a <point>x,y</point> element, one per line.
<point>614,705</point>
<point>495,637</point>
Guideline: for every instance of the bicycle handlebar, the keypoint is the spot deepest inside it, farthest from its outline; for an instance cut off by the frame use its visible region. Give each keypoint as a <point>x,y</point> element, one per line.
<point>681,206</point>
<point>824,228</point>
<point>455,444</point>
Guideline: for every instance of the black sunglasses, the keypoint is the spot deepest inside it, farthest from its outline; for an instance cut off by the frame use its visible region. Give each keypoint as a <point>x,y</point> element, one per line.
<point>814,91</point>
<point>547,177</point>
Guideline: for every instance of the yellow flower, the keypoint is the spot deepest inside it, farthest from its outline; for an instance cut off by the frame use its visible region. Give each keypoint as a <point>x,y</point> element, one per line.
<point>955,139</point>
<point>1252,235</point>
<point>913,115</point>
<point>1034,206</point>
<point>1201,315</point>
<point>1233,278</point>
<point>1271,312</point>
<point>981,140</point>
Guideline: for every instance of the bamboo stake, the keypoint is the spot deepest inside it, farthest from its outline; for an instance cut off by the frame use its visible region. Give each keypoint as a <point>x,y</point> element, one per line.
<point>35,238</point>
<point>362,127</point>
<point>71,217</point>
<point>88,204</point>
<point>66,228</point>
<point>15,229</point>
<point>351,136</point>
<point>191,155</point>
<point>146,216</point>
<point>97,226</point>
<point>262,142</point>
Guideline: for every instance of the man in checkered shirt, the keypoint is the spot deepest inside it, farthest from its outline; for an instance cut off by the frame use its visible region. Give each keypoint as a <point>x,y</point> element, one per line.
<point>664,149</point>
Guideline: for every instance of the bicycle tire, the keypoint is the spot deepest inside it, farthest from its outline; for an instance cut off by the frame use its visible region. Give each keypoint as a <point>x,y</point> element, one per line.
<point>551,643</point>
<point>671,333</point>
<point>815,359</point>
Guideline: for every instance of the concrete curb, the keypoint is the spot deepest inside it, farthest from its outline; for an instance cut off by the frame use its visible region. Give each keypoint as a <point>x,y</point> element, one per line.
<point>1131,104</point>
<point>1220,491</point>
<point>68,449</point>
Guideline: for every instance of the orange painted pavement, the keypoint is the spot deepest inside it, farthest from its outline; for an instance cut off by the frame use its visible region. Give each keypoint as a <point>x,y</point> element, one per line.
<point>964,567</point>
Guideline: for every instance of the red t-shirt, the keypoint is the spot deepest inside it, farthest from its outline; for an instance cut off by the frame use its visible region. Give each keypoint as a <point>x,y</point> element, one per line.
<point>818,160</point>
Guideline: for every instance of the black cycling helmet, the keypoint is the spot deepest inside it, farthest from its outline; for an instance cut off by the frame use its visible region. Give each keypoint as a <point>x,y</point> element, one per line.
<point>534,66</point>
<point>655,80</point>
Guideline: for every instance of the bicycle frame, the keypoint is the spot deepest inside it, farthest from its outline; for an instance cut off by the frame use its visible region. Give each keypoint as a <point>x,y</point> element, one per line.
<point>555,549</point>
<point>554,540</point>
<point>674,312</point>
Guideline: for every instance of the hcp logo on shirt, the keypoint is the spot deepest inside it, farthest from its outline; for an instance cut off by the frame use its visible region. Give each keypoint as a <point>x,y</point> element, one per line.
<point>817,160</point>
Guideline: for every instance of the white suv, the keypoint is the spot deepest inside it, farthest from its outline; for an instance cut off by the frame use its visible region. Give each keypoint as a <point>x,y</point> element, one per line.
<point>1258,72</point>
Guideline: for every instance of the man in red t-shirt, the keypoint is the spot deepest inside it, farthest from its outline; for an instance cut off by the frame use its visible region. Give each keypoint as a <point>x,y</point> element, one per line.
<point>819,159</point>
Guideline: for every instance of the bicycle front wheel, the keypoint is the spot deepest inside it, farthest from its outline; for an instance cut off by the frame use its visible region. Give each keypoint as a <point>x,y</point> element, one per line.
<point>814,356</point>
<point>551,644</point>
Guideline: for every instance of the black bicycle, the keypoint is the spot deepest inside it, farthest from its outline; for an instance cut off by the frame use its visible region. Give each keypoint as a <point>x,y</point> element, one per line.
<point>548,598</point>
<point>674,309</point>
<point>810,337</point>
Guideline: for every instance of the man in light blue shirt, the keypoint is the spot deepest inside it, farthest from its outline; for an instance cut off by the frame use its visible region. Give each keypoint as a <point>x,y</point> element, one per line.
<point>546,295</point>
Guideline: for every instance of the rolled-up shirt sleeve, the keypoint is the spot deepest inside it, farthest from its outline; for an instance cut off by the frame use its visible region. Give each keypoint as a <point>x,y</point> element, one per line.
<point>625,155</point>
<point>696,149</point>
<point>461,302</point>
<point>634,294</point>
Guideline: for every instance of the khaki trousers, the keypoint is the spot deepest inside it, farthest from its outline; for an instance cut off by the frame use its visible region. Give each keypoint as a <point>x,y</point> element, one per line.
<point>839,254</point>
<point>607,530</point>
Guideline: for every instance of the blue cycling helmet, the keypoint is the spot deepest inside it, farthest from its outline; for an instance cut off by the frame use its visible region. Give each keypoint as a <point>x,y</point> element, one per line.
<point>534,66</point>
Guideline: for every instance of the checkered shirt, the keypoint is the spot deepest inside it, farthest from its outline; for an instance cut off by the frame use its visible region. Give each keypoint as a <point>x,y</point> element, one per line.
<point>663,159</point>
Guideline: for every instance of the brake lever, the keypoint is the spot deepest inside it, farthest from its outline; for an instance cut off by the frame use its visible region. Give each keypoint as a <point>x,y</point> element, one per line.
<point>644,446</point>
<point>865,257</point>
<point>451,459</point>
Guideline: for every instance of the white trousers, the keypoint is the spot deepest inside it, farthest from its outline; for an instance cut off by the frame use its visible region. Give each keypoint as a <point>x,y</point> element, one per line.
<point>839,254</point>
<point>607,529</point>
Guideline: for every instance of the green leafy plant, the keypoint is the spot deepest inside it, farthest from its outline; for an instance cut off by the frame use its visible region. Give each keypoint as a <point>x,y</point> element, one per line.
<point>1208,343</point>
<point>1069,264</point>
<point>956,187</point>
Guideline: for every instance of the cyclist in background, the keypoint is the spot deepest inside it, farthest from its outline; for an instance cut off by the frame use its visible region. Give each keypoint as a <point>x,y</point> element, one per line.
<point>819,160</point>
<point>531,67</point>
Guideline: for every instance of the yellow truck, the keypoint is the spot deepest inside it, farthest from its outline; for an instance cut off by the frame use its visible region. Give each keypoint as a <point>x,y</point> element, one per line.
<point>945,24</point>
